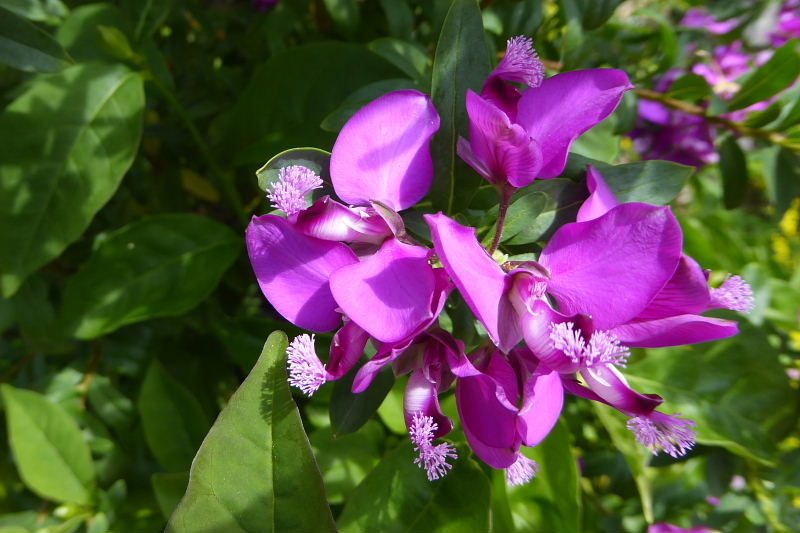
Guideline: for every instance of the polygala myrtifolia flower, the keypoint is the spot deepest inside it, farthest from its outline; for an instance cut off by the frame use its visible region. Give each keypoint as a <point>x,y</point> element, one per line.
<point>620,279</point>
<point>615,278</point>
<point>517,136</point>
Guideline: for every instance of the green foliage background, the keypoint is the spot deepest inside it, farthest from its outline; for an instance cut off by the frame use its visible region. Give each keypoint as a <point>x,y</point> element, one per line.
<point>132,387</point>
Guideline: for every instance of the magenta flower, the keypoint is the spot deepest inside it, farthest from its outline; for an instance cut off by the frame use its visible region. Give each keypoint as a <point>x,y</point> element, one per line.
<point>664,527</point>
<point>517,136</point>
<point>506,405</point>
<point>311,277</point>
<point>788,24</point>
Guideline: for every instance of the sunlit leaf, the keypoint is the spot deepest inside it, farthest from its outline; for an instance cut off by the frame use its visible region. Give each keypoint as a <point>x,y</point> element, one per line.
<point>255,471</point>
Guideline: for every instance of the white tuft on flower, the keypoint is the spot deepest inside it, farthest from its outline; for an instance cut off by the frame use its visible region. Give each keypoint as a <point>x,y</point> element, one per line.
<point>658,431</point>
<point>521,63</point>
<point>306,371</point>
<point>604,348</point>
<point>522,471</point>
<point>734,294</point>
<point>432,458</point>
<point>289,193</point>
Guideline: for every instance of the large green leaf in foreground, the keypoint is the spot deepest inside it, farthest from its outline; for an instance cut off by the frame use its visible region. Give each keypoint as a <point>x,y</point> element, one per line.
<point>158,266</point>
<point>68,141</point>
<point>255,471</point>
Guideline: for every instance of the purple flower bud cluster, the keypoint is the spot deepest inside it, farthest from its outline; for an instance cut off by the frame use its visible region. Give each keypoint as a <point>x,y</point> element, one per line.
<point>615,278</point>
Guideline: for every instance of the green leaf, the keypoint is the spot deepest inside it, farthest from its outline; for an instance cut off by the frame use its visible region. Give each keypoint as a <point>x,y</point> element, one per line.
<point>39,10</point>
<point>412,59</point>
<point>591,13</point>
<point>76,134</point>
<point>115,43</point>
<point>564,198</point>
<point>162,265</point>
<point>782,172</point>
<point>313,158</point>
<point>346,461</point>
<point>255,470</point>
<point>111,406</point>
<point>399,16</point>
<point>290,94</point>
<point>759,119</point>
<point>345,14</point>
<point>733,167</point>
<point>339,116</point>
<point>391,410</point>
<point>173,421</point>
<point>689,87</point>
<point>350,411</point>
<point>461,63</point>
<point>769,79</point>
<point>704,382</point>
<point>552,500</point>
<point>26,47</point>
<point>599,143</point>
<point>636,455</point>
<point>653,182</point>
<point>397,496</point>
<point>169,489</point>
<point>53,459</point>
<point>522,212</point>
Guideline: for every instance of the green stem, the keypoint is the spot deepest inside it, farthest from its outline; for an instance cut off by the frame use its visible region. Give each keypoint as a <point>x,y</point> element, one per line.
<point>216,173</point>
<point>505,198</point>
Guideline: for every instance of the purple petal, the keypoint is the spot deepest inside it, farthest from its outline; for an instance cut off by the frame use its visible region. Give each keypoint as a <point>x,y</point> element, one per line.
<point>601,198</point>
<point>610,385</point>
<point>686,293</point>
<point>422,396</point>
<point>453,350</point>
<point>388,294</point>
<point>383,152</point>
<point>675,331</point>
<point>293,271</point>
<point>611,267</point>
<point>542,400</point>
<point>565,106</point>
<point>328,219</point>
<point>478,277</point>
<point>506,149</point>
<point>489,420</point>
<point>347,348</point>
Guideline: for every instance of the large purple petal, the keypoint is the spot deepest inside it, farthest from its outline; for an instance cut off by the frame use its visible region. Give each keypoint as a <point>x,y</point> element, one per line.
<point>487,419</point>
<point>565,106</point>
<point>542,400</point>
<point>293,271</point>
<point>383,152</point>
<point>388,294</point>
<point>478,277</point>
<point>675,331</point>
<point>611,267</point>
<point>686,293</point>
<point>601,197</point>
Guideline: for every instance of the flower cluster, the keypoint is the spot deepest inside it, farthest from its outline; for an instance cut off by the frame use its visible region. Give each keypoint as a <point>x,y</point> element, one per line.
<point>665,133</point>
<point>615,278</point>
